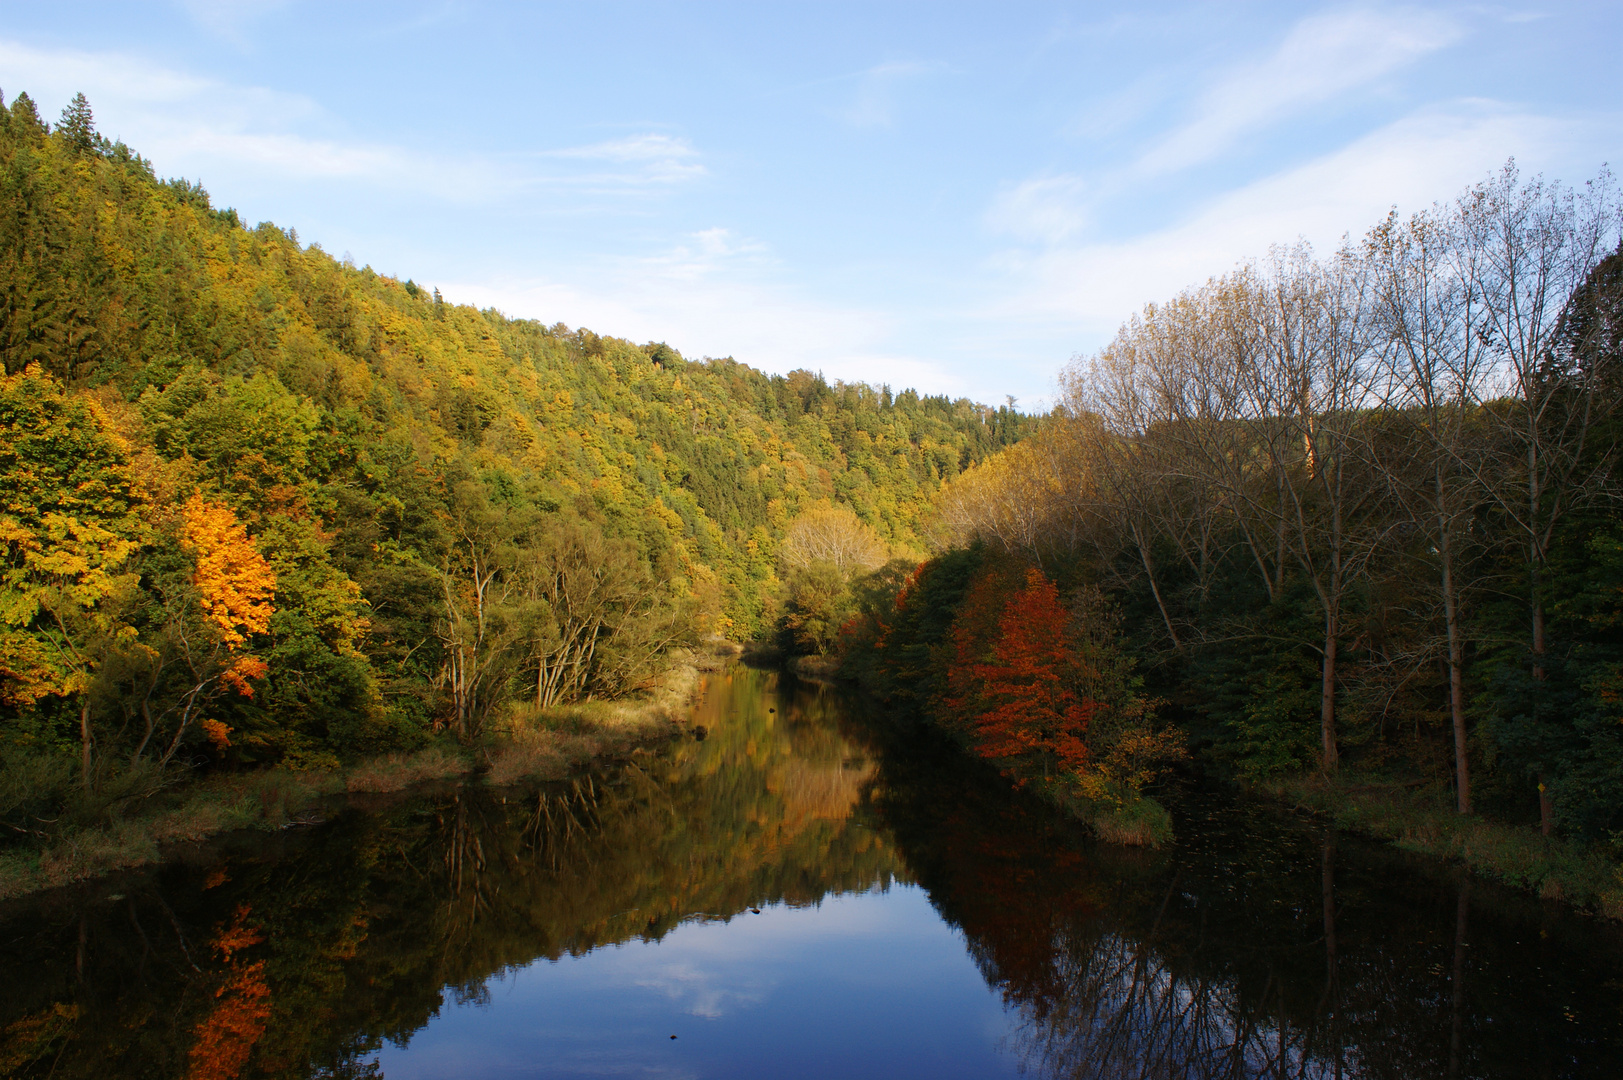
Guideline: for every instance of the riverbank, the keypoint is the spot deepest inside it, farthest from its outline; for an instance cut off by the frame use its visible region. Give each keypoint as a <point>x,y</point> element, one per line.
<point>546,745</point>
<point>1422,819</point>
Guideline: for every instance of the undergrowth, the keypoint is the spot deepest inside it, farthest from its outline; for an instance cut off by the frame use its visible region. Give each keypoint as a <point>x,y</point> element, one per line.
<point>1423,820</point>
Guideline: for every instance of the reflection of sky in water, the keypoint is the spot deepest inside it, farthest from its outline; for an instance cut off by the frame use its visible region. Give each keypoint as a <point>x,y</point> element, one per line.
<point>865,985</point>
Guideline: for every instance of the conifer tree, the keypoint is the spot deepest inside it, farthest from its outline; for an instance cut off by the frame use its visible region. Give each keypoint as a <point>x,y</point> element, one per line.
<point>78,127</point>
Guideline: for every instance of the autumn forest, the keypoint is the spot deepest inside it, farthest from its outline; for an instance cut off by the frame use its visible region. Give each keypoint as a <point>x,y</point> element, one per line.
<point>1330,524</point>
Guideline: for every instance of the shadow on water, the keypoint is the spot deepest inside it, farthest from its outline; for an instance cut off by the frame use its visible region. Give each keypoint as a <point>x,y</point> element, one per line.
<point>1258,945</point>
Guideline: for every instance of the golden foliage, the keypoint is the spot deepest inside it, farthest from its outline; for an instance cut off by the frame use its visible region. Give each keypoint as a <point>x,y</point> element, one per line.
<point>233,580</point>
<point>31,1038</point>
<point>228,1034</point>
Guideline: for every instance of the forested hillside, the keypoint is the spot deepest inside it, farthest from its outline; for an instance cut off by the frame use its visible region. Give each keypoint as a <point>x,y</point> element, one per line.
<point>1358,512</point>
<point>261,505</point>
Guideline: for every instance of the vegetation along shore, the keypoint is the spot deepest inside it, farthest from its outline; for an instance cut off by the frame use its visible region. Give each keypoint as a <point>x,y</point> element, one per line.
<point>1344,528</point>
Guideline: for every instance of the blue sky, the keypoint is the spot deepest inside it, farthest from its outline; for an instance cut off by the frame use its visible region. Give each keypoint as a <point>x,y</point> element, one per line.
<point>949,196</point>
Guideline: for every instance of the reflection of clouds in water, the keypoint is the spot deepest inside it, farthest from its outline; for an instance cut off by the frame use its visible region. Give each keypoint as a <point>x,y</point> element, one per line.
<point>693,990</point>
<point>595,1062</point>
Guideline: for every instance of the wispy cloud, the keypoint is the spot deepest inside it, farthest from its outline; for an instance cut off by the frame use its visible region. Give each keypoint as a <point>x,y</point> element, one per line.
<point>187,123</point>
<point>875,101</point>
<point>231,19</point>
<point>1410,163</point>
<point>1046,209</point>
<point>717,294</point>
<point>654,158</point>
<point>1321,58</point>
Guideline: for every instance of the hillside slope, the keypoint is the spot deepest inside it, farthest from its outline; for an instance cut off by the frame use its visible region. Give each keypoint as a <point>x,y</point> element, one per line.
<point>381,481</point>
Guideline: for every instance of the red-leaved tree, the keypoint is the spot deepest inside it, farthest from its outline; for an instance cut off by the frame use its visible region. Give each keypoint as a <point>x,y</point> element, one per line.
<point>1029,710</point>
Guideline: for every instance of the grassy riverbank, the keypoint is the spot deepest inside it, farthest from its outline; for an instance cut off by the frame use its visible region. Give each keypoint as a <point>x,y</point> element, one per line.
<point>543,745</point>
<point>1422,819</point>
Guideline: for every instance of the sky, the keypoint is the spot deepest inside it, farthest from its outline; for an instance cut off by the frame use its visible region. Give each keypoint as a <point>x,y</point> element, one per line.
<point>953,197</point>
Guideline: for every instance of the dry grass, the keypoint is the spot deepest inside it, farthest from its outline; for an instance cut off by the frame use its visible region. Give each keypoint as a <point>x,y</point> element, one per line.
<point>1424,821</point>
<point>817,669</point>
<point>396,772</point>
<point>548,744</point>
<point>1144,823</point>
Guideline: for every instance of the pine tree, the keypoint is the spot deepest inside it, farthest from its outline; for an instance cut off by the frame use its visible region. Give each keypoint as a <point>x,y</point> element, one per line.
<point>78,127</point>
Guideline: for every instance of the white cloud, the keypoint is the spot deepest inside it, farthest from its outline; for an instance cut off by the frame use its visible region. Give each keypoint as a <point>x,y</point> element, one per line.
<point>1427,157</point>
<point>875,102</point>
<point>197,126</point>
<point>231,19</point>
<point>1322,57</point>
<point>717,294</point>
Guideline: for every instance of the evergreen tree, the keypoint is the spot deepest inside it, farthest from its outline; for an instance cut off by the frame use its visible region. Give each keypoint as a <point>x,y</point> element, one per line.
<point>78,127</point>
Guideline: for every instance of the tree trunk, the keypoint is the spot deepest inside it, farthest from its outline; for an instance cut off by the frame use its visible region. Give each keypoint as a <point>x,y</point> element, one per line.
<point>1546,807</point>
<point>85,742</point>
<point>1327,708</point>
<point>1149,569</point>
<point>1456,665</point>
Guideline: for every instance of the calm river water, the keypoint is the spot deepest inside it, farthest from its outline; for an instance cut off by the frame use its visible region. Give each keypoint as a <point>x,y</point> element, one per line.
<point>787,897</point>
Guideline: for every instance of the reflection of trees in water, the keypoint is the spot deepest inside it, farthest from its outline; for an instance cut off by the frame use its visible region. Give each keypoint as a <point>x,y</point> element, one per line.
<point>365,926</point>
<point>1126,1013</point>
<point>1129,1011</point>
<point>1251,950</point>
<point>1254,948</point>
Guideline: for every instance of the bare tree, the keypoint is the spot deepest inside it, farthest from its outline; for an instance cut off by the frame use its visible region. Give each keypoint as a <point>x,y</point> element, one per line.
<point>1528,248</point>
<point>1311,389</point>
<point>1430,375</point>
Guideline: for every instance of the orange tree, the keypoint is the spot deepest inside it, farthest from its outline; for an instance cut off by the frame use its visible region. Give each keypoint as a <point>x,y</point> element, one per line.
<point>193,665</point>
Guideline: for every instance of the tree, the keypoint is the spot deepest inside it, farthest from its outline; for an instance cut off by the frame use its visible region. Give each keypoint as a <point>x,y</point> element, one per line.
<point>1028,705</point>
<point>1528,249</point>
<point>69,524</point>
<point>1431,375</point>
<point>832,534</point>
<point>596,618</point>
<point>78,127</point>
<point>819,603</point>
<point>476,630</point>
<point>234,582</point>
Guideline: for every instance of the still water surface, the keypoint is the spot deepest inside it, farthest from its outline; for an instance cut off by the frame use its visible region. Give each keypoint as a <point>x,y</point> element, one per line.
<point>791,896</point>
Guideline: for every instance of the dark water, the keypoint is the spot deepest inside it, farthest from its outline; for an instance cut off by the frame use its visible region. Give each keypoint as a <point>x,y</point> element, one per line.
<point>916,919</point>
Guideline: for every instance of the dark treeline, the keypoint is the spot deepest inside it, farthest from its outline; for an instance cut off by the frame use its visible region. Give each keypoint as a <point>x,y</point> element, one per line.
<point>1357,512</point>
<point>262,506</point>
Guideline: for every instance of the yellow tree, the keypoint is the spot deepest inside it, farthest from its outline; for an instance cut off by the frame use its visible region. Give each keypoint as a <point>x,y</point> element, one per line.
<point>68,526</point>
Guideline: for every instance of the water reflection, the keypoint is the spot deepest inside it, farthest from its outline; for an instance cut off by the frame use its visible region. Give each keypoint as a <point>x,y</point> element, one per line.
<point>1258,947</point>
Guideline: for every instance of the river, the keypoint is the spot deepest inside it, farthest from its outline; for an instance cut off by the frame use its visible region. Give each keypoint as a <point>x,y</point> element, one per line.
<point>793,895</point>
